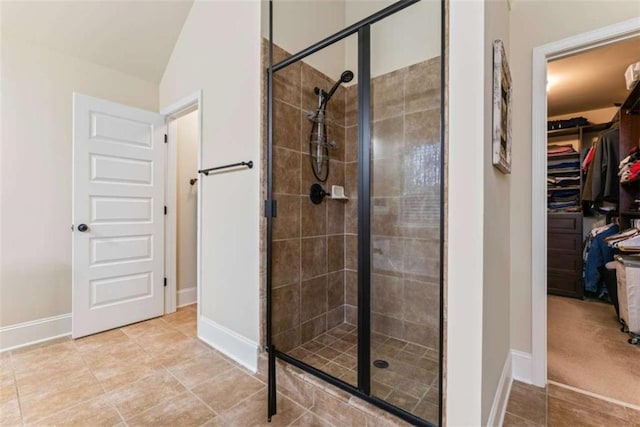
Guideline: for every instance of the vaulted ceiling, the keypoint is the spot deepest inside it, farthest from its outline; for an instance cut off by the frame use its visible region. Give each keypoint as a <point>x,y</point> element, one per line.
<point>592,79</point>
<point>134,37</point>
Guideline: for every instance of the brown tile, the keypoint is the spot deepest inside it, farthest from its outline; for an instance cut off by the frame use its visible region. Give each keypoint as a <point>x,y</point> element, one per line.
<point>182,410</point>
<point>351,314</point>
<point>351,144</point>
<point>388,95</point>
<point>313,346</point>
<point>178,352</point>
<point>286,171</point>
<point>252,412</point>
<point>335,253</point>
<point>180,318</point>
<point>427,335</point>
<point>336,411</point>
<point>525,403</point>
<point>310,420</point>
<point>96,341</point>
<point>136,398</point>
<point>336,177</point>
<point>199,369</point>
<point>388,176</point>
<point>313,257</point>
<point>316,361</point>
<point>287,340</point>
<point>633,416</point>
<point>313,328</point>
<point>8,390</point>
<point>351,105</point>
<point>422,303</point>
<point>328,353</point>
<point>292,384</point>
<point>312,78</point>
<point>346,360</point>
<point>427,411</point>
<point>314,218</point>
<point>38,346</point>
<point>385,216</point>
<point>335,317</point>
<point>387,325</point>
<point>351,287</point>
<point>335,217</point>
<point>351,181</point>
<point>350,377</point>
<point>388,135</point>
<point>286,311</point>
<point>50,376</point>
<point>351,216</point>
<point>562,413</point>
<point>287,224</point>
<point>422,86</point>
<point>402,400</point>
<point>40,404</point>
<point>387,255</point>
<point>43,356</point>
<point>380,390</point>
<point>299,353</point>
<point>286,262</point>
<point>336,134</point>
<point>592,403</point>
<point>387,295</point>
<point>421,259</point>
<point>351,252</point>
<point>313,298</point>
<point>10,413</point>
<point>335,287</point>
<point>95,412</point>
<point>511,420</point>
<point>422,129</point>
<point>325,339</point>
<point>287,120</point>
<point>341,346</point>
<point>287,80</point>
<point>226,390</point>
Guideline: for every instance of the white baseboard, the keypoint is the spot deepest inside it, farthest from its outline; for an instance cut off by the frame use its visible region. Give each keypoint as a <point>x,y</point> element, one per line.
<point>237,347</point>
<point>35,331</point>
<point>187,296</point>
<point>522,366</point>
<point>501,398</point>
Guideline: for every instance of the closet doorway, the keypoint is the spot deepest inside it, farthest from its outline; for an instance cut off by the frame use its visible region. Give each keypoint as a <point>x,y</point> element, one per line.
<point>593,207</point>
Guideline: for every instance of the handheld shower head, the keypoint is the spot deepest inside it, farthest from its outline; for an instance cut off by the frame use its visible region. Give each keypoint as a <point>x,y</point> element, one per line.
<point>345,77</point>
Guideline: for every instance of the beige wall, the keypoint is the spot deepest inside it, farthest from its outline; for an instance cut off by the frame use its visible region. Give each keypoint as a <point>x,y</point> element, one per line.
<point>37,86</point>
<point>535,23</point>
<point>229,76</point>
<point>497,226</point>
<point>187,201</point>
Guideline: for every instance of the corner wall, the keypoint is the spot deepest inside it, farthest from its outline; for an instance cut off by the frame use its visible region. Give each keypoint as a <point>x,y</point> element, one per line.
<point>229,75</point>
<point>535,23</point>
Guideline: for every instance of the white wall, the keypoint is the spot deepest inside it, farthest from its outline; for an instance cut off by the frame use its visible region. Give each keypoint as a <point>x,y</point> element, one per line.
<point>229,75</point>
<point>465,214</point>
<point>37,84</point>
<point>406,38</point>
<point>535,23</point>
<point>497,227</point>
<point>187,199</point>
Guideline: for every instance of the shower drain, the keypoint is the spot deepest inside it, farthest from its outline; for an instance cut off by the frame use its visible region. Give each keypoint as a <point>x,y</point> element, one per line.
<point>380,363</point>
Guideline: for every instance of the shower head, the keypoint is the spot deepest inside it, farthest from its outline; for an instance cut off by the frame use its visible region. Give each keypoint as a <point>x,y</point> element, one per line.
<point>345,77</point>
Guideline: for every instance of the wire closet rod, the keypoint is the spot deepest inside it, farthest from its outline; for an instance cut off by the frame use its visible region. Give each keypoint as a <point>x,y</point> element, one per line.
<point>248,164</point>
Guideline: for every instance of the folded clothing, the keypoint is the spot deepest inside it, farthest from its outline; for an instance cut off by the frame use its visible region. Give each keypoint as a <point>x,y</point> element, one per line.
<point>567,123</point>
<point>560,164</point>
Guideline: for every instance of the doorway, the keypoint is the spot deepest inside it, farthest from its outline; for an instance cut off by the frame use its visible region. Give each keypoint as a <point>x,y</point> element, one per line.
<point>542,55</point>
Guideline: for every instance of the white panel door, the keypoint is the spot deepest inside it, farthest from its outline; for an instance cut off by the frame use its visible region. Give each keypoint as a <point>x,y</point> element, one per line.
<point>118,215</point>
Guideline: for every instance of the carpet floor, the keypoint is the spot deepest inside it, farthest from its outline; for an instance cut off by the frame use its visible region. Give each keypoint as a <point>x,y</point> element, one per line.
<point>587,350</point>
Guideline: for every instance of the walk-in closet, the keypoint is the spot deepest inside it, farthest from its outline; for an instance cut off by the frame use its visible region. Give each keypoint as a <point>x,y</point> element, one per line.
<point>593,221</point>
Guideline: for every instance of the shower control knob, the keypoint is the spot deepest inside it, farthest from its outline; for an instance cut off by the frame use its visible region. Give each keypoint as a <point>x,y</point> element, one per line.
<point>83,227</point>
<point>332,144</point>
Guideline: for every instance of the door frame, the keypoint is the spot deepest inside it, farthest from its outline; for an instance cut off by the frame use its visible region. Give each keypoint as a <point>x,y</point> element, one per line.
<point>541,56</point>
<point>172,113</point>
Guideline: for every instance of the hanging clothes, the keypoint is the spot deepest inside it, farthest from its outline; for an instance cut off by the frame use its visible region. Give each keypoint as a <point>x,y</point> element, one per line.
<point>604,178</point>
<point>596,254</point>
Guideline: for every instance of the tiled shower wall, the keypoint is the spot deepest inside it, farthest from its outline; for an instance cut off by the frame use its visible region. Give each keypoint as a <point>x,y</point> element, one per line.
<point>405,216</point>
<point>308,240</point>
<point>315,246</point>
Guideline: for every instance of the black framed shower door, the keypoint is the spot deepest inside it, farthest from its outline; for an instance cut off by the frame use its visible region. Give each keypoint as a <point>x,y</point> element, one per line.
<point>364,122</point>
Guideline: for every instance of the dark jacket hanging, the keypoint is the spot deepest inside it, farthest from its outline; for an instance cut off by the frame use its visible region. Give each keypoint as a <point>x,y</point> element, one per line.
<point>603,173</point>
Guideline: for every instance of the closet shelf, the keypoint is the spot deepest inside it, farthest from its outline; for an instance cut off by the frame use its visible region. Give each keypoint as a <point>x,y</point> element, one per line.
<point>552,172</point>
<point>563,155</point>
<point>576,130</point>
<point>631,213</point>
<point>573,187</point>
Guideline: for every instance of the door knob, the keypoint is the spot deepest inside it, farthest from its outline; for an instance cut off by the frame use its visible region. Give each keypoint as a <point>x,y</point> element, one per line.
<point>83,227</point>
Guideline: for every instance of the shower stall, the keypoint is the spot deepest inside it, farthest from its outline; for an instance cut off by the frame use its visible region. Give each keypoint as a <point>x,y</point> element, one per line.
<point>354,186</point>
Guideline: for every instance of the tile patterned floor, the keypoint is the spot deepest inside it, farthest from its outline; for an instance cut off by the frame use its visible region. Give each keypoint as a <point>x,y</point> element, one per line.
<point>410,382</point>
<point>151,373</point>
<point>557,406</point>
